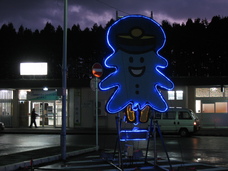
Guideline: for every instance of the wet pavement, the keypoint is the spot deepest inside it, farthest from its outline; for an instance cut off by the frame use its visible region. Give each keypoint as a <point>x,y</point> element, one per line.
<point>104,161</point>
<point>87,158</point>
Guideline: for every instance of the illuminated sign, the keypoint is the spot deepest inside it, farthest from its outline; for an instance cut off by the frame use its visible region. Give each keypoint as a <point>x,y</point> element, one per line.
<point>42,95</point>
<point>33,68</point>
<point>134,135</point>
<point>136,41</point>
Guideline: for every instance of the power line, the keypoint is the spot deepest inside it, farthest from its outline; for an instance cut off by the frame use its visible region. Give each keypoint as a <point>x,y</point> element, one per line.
<point>110,6</point>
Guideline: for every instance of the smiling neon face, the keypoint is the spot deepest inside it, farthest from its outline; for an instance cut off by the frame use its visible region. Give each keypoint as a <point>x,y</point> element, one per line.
<point>135,41</point>
<point>137,71</point>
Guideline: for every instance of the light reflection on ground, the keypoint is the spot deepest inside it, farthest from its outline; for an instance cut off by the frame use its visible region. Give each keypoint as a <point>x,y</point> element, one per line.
<point>202,149</point>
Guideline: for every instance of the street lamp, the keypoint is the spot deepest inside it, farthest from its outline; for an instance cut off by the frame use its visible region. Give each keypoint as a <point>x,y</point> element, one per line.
<point>64,83</point>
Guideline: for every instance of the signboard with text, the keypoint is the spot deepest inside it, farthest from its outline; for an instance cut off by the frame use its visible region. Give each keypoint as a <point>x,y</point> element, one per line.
<point>42,95</point>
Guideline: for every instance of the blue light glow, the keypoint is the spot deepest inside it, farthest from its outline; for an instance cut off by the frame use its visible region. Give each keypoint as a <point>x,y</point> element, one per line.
<point>136,41</point>
<point>133,139</point>
<point>135,129</point>
<point>134,135</point>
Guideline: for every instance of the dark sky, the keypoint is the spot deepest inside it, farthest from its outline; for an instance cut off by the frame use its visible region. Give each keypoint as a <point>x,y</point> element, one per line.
<point>34,14</point>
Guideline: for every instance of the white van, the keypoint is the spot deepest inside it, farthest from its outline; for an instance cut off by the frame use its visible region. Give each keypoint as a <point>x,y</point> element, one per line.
<point>178,120</point>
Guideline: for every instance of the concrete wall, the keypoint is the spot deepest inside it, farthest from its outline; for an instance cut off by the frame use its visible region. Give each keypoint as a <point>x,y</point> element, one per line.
<point>191,98</point>
<point>213,120</point>
<point>88,110</point>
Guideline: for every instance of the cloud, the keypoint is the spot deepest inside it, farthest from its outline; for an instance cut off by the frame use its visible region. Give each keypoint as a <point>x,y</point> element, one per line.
<point>35,14</point>
<point>30,14</point>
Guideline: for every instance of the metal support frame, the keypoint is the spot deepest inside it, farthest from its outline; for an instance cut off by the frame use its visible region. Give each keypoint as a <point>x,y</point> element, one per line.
<point>118,126</point>
<point>153,130</point>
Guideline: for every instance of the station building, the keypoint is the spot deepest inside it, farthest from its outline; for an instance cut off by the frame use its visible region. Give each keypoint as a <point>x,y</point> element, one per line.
<point>207,97</point>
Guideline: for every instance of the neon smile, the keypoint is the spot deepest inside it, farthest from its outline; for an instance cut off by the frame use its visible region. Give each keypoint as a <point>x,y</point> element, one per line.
<point>136,71</point>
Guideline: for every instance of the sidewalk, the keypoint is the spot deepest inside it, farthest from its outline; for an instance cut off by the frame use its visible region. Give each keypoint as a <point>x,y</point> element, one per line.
<point>40,156</point>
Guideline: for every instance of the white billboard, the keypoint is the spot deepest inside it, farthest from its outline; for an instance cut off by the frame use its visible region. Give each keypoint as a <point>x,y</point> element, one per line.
<point>33,68</point>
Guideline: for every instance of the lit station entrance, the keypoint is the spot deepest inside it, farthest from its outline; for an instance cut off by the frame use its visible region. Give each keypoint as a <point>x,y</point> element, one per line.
<point>48,106</point>
<point>50,113</point>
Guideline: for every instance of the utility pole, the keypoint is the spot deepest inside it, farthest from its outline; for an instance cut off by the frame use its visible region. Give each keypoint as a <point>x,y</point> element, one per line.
<point>64,83</point>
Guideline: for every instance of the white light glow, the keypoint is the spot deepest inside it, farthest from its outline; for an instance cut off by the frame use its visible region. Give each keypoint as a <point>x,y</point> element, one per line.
<point>45,89</point>
<point>33,68</point>
<point>213,89</point>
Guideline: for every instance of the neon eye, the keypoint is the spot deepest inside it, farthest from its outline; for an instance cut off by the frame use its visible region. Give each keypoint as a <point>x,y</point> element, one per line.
<point>141,59</point>
<point>131,59</point>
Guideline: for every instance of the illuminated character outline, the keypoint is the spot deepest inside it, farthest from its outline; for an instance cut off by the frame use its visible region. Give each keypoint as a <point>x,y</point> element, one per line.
<point>136,41</point>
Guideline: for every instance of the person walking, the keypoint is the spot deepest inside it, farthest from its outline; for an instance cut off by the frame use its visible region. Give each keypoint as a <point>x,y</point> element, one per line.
<point>33,118</point>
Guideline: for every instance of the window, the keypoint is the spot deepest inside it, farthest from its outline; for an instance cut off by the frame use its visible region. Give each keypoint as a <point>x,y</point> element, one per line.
<point>175,95</point>
<point>217,107</point>
<point>6,94</point>
<point>226,92</point>
<point>6,97</point>
<point>179,95</point>
<point>221,107</point>
<point>5,108</point>
<point>216,92</point>
<point>208,108</point>
<point>184,115</point>
<point>169,115</point>
<point>210,92</point>
<point>202,92</point>
<point>171,95</point>
<point>23,94</point>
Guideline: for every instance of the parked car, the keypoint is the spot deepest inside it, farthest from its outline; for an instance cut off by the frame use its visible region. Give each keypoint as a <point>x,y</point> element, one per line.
<point>2,126</point>
<point>178,120</point>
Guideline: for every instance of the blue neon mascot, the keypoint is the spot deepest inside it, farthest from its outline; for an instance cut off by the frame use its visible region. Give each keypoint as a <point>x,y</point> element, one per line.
<point>136,41</point>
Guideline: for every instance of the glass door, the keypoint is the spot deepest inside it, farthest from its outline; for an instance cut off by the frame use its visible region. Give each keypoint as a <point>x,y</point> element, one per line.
<point>50,113</point>
<point>46,112</point>
<point>58,116</point>
<point>38,106</point>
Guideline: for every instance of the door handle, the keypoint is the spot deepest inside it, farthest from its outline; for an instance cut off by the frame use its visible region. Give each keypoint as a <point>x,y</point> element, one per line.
<point>174,123</point>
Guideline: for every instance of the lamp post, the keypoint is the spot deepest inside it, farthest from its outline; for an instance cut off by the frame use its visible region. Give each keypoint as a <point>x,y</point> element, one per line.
<point>64,84</point>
